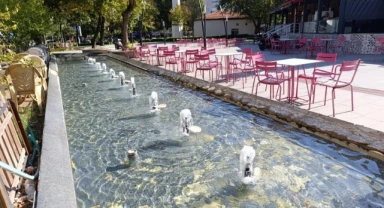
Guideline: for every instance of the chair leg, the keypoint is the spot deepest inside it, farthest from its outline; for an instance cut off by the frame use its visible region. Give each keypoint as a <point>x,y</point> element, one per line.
<point>333,101</point>
<point>257,85</point>
<point>253,85</point>
<point>352,97</point>
<point>325,96</point>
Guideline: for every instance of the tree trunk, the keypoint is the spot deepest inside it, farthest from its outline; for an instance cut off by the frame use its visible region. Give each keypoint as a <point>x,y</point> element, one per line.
<point>61,35</point>
<point>127,14</point>
<point>256,23</point>
<point>96,32</point>
<point>102,31</point>
<point>77,34</point>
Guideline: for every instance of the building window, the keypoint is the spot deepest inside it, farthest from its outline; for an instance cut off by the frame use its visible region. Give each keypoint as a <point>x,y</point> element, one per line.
<point>237,24</point>
<point>234,32</point>
<point>246,23</point>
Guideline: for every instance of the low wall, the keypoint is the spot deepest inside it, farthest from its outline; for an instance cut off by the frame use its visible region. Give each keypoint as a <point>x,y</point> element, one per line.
<point>56,185</point>
<point>356,43</point>
<point>355,137</point>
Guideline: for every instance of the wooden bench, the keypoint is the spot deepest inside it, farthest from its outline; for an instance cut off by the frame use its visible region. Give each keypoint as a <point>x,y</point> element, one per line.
<point>12,152</point>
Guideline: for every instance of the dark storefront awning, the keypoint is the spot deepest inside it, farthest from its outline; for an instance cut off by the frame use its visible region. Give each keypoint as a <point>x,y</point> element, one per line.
<point>285,5</point>
<point>368,9</point>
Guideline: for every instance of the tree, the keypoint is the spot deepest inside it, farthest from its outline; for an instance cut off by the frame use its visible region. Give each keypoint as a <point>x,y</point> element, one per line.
<point>127,15</point>
<point>163,7</point>
<point>194,11</point>
<point>180,14</point>
<point>254,10</point>
<point>27,20</point>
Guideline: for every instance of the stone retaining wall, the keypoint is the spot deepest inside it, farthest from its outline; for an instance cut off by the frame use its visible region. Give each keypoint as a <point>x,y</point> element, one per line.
<point>356,43</point>
<point>56,185</point>
<point>349,135</point>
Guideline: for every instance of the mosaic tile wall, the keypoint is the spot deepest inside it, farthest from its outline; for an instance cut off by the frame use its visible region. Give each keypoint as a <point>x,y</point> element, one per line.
<point>356,43</point>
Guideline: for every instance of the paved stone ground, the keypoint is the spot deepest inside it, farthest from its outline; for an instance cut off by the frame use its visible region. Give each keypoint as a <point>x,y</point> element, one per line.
<point>368,87</point>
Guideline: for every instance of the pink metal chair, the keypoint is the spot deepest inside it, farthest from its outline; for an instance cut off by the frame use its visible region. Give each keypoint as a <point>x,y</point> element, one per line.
<point>144,54</point>
<point>203,64</point>
<point>170,59</point>
<point>342,78</point>
<point>268,74</point>
<point>339,45</point>
<point>379,45</point>
<point>276,45</point>
<point>250,66</point>
<point>214,62</point>
<point>190,60</point>
<point>315,45</point>
<point>326,57</point>
<point>301,44</point>
<point>160,54</point>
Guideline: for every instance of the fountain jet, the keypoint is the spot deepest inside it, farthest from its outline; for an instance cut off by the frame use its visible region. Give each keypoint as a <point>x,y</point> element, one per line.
<point>154,102</point>
<point>104,67</point>
<point>98,66</point>
<point>247,174</point>
<point>113,75</point>
<point>123,82</point>
<point>133,84</point>
<point>185,121</point>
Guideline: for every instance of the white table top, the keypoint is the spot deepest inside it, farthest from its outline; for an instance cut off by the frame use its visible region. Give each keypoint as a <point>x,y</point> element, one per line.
<point>181,51</point>
<point>297,62</point>
<point>322,39</point>
<point>228,54</point>
<point>327,39</point>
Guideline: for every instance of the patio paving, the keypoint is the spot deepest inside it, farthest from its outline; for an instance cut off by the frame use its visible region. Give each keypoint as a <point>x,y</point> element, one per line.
<point>368,88</point>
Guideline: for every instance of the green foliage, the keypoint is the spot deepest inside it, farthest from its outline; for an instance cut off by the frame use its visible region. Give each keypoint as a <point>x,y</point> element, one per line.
<point>194,11</point>
<point>254,10</point>
<point>180,14</point>
<point>163,6</point>
<point>27,20</point>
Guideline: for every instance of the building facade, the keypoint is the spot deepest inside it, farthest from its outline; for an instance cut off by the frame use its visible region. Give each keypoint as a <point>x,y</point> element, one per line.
<point>236,25</point>
<point>335,16</point>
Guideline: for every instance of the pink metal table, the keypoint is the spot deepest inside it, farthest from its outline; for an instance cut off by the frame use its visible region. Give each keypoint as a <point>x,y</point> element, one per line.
<point>227,61</point>
<point>291,64</point>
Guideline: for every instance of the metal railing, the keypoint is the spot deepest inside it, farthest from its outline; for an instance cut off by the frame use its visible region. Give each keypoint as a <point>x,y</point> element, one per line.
<point>285,29</point>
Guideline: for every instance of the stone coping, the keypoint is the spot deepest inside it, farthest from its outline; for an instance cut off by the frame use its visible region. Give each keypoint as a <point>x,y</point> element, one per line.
<point>56,185</point>
<point>349,135</point>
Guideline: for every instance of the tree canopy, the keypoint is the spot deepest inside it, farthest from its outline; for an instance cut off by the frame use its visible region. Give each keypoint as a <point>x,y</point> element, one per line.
<point>254,10</point>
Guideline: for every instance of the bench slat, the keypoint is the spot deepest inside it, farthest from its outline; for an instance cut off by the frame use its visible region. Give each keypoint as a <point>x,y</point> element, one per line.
<point>4,131</point>
<point>5,158</point>
<point>17,179</point>
<point>4,199</point>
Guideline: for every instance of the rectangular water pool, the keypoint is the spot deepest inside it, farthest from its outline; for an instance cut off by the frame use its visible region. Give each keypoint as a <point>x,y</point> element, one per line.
<point>104,121</point>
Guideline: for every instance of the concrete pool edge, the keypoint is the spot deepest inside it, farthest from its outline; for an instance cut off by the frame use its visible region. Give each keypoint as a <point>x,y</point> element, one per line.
<point>56,184</point>
<point>349,135</point>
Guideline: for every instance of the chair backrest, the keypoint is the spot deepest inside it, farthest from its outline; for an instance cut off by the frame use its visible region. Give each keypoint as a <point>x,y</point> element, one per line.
<point>162,48</point>
<point>169,53</point>
<point>211,51</point>
<point>246,50</point>
<point>327,57</point>
<point>152,46</point>
<point>380,40</point>
<point>348,71</point>
<point>269,68</point>
<point>39,64</point>
<point>204,52</point>
<point>258,58</point>
<point>202,57</point>
<point>23,79</point>
<point>303,40</point>
<point>192,52</point>
<point>315,41</point>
